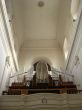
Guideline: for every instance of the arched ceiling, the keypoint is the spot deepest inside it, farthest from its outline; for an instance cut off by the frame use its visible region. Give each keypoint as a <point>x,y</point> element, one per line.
<point>39,27</point>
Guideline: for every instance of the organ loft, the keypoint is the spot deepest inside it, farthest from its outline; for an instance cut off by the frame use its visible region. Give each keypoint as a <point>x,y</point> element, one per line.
<point>43,80</point>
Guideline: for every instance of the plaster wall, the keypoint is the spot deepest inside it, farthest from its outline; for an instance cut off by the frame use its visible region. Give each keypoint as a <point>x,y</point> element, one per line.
<point>4,68</point>
<point>7,66</point>
<point>15,19</point>
<point>75,62</point>
<point>28,56</point>
<point>70,31</point>
<point>63,16</point>
<point>2,60</point>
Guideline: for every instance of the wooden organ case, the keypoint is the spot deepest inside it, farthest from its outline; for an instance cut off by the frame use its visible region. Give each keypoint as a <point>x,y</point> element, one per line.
<point>42,82</point>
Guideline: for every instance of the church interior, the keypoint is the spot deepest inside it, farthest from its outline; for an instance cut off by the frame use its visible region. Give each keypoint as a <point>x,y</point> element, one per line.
<point>41,54</point>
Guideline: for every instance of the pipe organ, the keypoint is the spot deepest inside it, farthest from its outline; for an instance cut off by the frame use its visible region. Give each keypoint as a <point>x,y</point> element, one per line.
<point>42,82</point>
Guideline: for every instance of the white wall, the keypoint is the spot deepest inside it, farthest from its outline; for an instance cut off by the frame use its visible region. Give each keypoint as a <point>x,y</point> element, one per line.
<point>14,14</point>
<point>2,59</point>
<point>77,72</point>
<point>70,30</point>
<point>63,16</point>
<point>4,69</point>
<point>7,64</point>
<point>74,66</point>
<point>80,55</point>
<point>28,56</point>
<point>75,62</point>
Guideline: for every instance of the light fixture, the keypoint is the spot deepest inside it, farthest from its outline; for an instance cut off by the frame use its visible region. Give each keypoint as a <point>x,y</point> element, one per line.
<point>40,3</point>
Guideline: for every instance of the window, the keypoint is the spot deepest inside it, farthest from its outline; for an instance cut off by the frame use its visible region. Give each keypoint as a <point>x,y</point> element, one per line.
<point>65,47</point>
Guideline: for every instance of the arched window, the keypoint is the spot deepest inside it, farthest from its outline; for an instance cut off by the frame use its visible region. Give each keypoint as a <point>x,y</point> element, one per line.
<point>74,8</point>
<point>65,47</point>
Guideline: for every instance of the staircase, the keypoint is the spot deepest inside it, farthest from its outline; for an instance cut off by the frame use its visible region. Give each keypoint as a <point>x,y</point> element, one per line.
<point>41,101</point>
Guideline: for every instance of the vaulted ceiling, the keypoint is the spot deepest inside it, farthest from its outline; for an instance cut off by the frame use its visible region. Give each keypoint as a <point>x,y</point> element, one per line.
<point>38,27</point>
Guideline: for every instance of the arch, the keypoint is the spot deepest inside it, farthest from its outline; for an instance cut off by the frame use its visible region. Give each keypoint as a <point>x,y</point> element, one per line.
<point>44,59</point>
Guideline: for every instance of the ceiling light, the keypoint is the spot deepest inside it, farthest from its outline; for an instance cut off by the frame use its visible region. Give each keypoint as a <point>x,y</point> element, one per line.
<point>40,3</point>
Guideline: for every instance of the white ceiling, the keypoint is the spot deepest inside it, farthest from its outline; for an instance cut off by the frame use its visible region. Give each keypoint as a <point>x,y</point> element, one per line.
<point>40,22</point>
<point>37,26</point>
